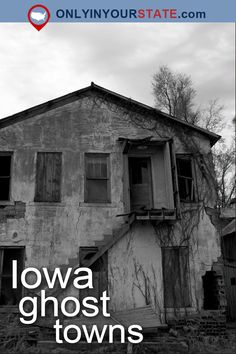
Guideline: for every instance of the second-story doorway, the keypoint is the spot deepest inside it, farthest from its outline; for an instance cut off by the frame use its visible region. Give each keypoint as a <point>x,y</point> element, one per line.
<point>140,183</point>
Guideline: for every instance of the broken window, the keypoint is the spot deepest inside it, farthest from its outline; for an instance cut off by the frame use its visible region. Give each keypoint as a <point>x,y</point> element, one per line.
<point>185,178</point>
<point>176,277</point>
<point>48,177</point>
<point>9,296</point>
<point>97,178</point>
<point>5,175</point>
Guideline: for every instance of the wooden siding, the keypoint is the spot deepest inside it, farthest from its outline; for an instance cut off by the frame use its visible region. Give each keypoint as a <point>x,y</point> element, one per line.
<point>176,277</point>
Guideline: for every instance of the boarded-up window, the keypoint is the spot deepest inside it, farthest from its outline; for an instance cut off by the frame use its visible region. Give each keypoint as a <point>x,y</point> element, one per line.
<point>176,277</point>
<point>9,296</point>
<point>48,177</point>
<point>97,178</point>
<point>185,178</point>
<point>5,175</point>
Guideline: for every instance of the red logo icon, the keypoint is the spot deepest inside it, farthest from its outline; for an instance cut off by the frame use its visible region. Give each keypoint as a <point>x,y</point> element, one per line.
<point>38,16</point>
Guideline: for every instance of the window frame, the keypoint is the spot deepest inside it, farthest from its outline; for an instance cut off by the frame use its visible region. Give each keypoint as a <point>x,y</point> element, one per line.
<point>10,154</point>
<point>42,200</point>
<point>108,178</point>
<point>189,158</point>
<point>20,268</point>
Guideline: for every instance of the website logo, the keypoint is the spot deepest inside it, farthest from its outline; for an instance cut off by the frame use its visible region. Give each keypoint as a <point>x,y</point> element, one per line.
<point>38,16</point>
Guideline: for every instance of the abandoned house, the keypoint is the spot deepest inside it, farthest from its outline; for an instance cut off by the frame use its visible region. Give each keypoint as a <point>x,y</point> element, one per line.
<point>96,179</point>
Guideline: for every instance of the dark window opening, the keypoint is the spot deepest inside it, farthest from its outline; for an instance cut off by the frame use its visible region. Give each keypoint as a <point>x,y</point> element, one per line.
<point>176,277</point>
<point>48,177</point>
<point>97,179</point>
<point>139,169</point>
<point>210,289</point>
<point>229,248</point>
<point>9,296</point>
<point>5,176</point>
<point>233,281</point>
<point>185,178</point>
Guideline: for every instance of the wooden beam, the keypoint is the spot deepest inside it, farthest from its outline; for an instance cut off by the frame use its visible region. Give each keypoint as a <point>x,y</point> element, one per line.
<point>106,247</point>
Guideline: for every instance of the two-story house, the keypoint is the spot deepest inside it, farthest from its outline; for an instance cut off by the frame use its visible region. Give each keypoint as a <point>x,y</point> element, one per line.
<point>97,179</point>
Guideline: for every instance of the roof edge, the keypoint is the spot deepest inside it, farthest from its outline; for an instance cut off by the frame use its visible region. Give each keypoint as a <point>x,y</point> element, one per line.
<point>214,137</point>
<point>42,107</point>
<point>73,96</point>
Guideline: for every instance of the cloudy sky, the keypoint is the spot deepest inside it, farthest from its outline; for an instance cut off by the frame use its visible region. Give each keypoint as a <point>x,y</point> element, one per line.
<point>38,66</point>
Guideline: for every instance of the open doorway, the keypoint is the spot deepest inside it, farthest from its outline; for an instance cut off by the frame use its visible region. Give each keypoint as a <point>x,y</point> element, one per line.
<point>210,288</point>
<point>140,183</point>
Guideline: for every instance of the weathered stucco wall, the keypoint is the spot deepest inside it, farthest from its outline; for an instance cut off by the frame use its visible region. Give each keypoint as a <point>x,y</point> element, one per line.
<point>135,270</point>
<point>135,263</point>
<point>53,232</point>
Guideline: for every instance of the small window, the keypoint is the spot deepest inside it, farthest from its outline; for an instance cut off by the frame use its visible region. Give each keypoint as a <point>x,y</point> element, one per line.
<point>9,296</point>
<point>5,175</point>
<point>176,277</point>
<point>48,177</point>
<point>97,179</point>
<point>185,178</point>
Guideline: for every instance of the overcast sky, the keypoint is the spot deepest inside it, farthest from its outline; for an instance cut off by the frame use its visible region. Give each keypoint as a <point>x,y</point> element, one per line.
<point>38,66</point>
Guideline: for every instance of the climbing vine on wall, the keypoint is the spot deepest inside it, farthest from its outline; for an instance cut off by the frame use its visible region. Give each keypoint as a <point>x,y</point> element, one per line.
<point>183,231</point>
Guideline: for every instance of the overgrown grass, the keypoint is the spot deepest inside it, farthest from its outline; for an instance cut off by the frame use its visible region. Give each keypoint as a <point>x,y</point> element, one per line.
<point>15,341</point>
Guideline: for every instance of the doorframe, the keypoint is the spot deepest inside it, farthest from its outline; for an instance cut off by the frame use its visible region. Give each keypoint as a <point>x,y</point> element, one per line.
<point>151,191</point>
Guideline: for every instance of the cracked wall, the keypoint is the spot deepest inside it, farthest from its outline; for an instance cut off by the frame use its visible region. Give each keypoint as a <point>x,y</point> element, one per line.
<point>53,232</point>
